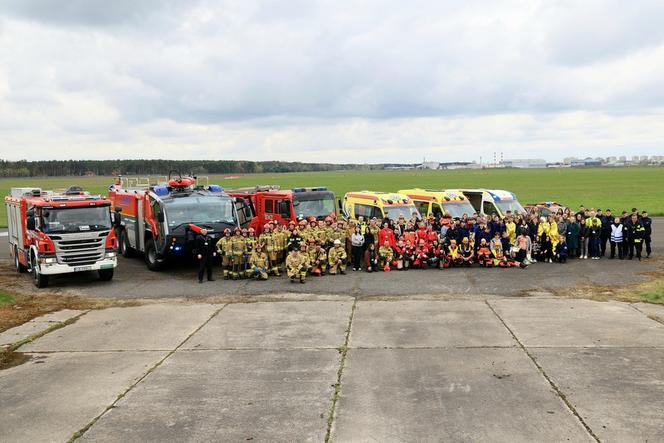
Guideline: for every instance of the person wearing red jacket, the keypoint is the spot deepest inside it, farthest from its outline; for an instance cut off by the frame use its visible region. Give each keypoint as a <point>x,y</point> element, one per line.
<point>421,232</point>
<point>435,251</point>
<point>432,235</point>
<point>421,255</point>
<point>387,235</point>
<point>408,255</point>
<point>398,253</point>
<point>484,254</point>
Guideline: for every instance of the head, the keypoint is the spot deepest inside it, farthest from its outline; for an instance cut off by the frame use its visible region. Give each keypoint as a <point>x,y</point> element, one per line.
<point>386,243</point>
<point>204,231</point>
<point>259,248</point>
<point>644,213</point>
<point>616,220</point>
<point>337,243</point>
<point>465,241</point>
<point>483,242</point>
<point>635,218</point>
<point>227,232</point>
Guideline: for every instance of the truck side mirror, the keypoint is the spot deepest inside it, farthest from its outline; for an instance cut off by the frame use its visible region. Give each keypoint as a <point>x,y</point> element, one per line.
<point>160,217</point>
<point>30,223</point>
<point>117,217</point>
<point>339,202</point>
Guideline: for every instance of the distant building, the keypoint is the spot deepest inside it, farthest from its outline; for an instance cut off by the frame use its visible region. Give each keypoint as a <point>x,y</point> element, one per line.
<point>586,162</point>
<point>429,165</point>
<point>524,163</point>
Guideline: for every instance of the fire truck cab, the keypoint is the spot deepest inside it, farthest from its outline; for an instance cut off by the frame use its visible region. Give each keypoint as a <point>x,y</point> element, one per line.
<point>60,232</point>
<point>156,218</point>
<point>262,204</point>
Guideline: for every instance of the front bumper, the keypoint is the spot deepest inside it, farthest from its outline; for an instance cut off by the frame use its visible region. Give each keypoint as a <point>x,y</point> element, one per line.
<point>57,268</point>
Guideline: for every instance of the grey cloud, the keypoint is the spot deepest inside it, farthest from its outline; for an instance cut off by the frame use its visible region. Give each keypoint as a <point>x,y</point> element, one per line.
<point>88,12</point>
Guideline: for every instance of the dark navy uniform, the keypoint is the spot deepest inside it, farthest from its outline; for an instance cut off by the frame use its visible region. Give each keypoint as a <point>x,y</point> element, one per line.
<point>204,253</point>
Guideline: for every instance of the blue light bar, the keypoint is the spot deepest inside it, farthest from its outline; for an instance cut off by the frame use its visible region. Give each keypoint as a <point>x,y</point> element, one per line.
<point>215,188</point>
<point>161,190</point>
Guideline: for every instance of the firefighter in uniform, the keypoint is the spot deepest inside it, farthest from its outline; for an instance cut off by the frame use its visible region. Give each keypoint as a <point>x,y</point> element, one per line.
<point>205,254</point>
<point>386,254</point>
<point>258,263</point>
<point>281,234</point>
<point>317,259</point>
<point>225,250</point>
<point>296,265</point>
<point>250,243</point>
<point>336,258</point>
<point>269,241</point>
<point>238,248</point>
<point>636,234</point>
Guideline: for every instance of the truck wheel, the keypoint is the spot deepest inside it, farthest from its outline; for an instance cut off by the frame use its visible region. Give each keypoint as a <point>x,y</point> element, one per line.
<point>151,258</point>
<point>40,281</point>
<point>106,274</point>
<point>125,248</point>
<point>19,267</point>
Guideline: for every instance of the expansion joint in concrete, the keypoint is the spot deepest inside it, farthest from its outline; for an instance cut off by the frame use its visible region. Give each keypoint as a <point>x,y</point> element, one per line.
<point>343,350</point>
<point>556,389</point>
<point>154,367</point>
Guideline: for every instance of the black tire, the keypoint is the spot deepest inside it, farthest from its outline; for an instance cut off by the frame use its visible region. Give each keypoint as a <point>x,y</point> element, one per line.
<point>40,280</point>
<point>151,258</point>
<point>123,245</point>
<point>17,264</point>
<point>106,274</point>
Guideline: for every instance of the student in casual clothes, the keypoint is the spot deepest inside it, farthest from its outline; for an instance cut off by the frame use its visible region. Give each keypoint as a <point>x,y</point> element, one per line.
<point>572,236</point>
<point>561,250</point>
<point>371,259</point>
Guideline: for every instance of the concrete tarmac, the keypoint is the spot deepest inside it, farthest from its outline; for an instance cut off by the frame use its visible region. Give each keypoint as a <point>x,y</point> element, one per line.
<point>512,370</point>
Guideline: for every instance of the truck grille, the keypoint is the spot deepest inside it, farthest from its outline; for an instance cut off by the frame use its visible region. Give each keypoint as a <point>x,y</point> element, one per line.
<point>79,250</point>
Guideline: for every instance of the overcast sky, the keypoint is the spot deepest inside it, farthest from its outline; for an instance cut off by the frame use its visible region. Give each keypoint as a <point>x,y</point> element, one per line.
<point>332,81</point>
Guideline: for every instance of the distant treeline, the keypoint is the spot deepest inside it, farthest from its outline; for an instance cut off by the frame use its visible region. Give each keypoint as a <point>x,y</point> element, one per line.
<point>24,168</point>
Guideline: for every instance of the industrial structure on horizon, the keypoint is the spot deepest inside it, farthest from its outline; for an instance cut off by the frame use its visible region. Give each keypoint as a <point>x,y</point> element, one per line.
<point>538,163</point>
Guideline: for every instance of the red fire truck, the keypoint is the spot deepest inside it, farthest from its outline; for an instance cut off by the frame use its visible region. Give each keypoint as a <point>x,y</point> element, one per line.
<point>60,232</point>
<point>261,204</point>
<point>154,217</point>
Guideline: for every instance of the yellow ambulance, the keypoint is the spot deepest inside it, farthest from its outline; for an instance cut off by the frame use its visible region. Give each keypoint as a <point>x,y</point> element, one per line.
<point>377,204</point>
<point>439,202</point>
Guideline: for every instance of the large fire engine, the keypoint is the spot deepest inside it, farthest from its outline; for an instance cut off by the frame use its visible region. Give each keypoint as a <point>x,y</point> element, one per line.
<point>157,218</point>
<point>261,204</point>
<point>60,232</point>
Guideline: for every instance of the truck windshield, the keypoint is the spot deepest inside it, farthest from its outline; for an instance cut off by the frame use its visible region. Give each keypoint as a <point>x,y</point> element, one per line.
<point>394,212</point>
<point>88,218</point>
<point>310,207</point>
<point>457,209</point>
<point>510,205</point>
<point>199,209</point>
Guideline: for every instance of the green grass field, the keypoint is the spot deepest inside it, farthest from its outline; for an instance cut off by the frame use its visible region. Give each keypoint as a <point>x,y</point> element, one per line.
<point>615,188</point>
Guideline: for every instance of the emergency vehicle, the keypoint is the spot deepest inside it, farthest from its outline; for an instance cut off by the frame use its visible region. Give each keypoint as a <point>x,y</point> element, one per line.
<point>493,201</point>
<point>544,209</point>
<point>160,219</point>
<point>371,204</point>
<point>262,204</point>
<point>60,232</point>
<point>437,202</point>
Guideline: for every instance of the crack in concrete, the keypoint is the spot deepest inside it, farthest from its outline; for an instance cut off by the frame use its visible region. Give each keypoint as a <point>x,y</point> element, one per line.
<point>651,317</point>
<point>337,387</point>
<point>556,389</point>
<point>154,367</point>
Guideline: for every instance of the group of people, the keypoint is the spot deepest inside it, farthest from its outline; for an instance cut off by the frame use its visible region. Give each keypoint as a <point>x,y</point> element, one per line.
<point>312,247</point>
